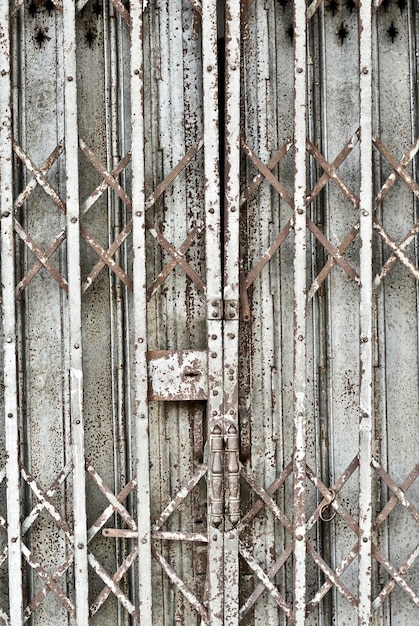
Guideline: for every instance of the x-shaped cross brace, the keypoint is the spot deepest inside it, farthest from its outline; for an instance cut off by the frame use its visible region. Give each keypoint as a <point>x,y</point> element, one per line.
<point>329,496</point>
<point>40,179</point>
<point>106,257</point>
<point>399,171</point>
<point>330,173</point>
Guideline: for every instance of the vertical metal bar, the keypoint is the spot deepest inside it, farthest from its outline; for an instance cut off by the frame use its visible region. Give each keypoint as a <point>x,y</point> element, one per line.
<point>365,323</point>
<point>141,418</point>
<point>299,493</point>
<point>214,298</point>
<point>74,313</point>
<point>231,302</point>
<point>9,325</point>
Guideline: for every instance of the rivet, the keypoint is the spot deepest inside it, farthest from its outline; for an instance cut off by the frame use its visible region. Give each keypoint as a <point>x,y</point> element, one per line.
<point>231,411</point>
<point>300,337</point>
<point>77,421</point>
<point>215,392</point>
<point>214,537</point>
<point>80,546</point>
<point>77,346</point>
<point>70,78</point>
<point>136,71</point>
<point>233,67</point>
<point>233,209</point>
<point>9,339</point>
<point>365,70</point>
<point>365,539</point>
<point>14,539</point>
<point>6,214</point>
<point>300,70</point>
<point>299,537</point>
<point>73,220</point>
<point>138,213</point>
<point>214,355</point>
<point>142,416</point>
<point>215,413</point>
<point>364,339</point>
<point>209,68</point>
<point>211,210</point>
<point>144,540</point>
<point>10,415</point>
<point>214,337</point>
<point>140,340</point>
<point>300,211</point>
<point>215,314</point>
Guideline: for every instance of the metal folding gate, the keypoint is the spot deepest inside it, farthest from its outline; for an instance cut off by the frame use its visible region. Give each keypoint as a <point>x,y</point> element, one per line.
<point>210,312</point>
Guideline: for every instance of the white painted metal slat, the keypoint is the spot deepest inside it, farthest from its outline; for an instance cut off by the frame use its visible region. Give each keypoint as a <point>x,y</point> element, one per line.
<point>300,330</point>
<point>74,312</point>
<point>231,305</point>
<point>11,413</point>
<point>140,320</point>
<point>365,314</point>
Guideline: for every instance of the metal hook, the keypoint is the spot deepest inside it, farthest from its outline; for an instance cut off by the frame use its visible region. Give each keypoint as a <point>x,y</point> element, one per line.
<point>326,506</point>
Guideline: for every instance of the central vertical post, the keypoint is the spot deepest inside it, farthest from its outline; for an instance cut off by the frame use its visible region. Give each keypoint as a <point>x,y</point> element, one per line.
<point>214,315</point>
<point>299,460</point>
<point>231,157</point>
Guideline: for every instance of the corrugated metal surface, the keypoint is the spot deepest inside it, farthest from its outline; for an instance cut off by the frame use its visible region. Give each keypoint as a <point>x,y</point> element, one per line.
<point>209,305</point>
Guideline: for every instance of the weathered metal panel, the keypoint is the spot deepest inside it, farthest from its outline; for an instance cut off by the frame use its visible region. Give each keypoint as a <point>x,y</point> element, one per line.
<point>209,311</point>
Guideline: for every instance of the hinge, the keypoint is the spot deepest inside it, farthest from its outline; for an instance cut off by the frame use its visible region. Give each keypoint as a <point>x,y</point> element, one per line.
<point>231,310</point>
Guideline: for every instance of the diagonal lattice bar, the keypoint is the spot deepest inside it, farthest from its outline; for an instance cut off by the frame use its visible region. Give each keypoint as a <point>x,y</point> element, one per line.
<point>180,496</point>
<point>402,571</point>
<point>110,496</point>
<point>113,586</point>
<point>330,172</point>
<point>103,186</point>
<point>332,167</point>
<point>115,504</point>
<point>117,577</point>
<point>397,251</point>
<point>331,575</point>
<point>159,280</point>
<point>399,171</point>
<point>43,258</point>
<point>176,580</point>
<point>109,511</point>
<point>106,256</point>
<point>350,237</point>
<point>266,580</point>
<point>49,582</point>
<point>40,179</point>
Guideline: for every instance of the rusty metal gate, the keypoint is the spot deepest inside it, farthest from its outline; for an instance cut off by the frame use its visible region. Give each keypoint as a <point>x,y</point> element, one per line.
<point>209,273</point>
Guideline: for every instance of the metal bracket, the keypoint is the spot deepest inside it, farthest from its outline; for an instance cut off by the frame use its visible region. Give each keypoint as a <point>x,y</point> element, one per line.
<point>215,309</point>
<point>177,375</point>
<point>231,310</point>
